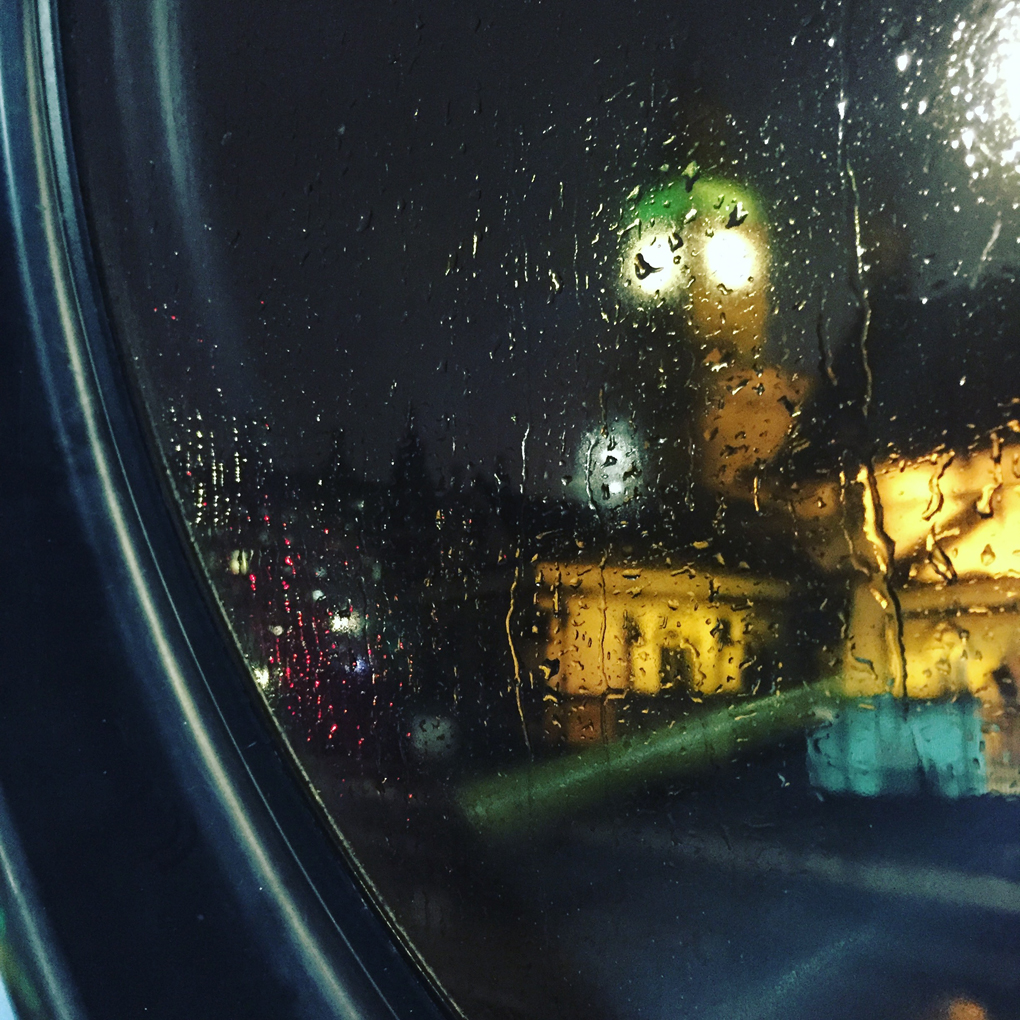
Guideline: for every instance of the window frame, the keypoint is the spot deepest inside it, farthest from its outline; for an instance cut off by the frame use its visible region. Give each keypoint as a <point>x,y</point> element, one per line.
<point>311,908</point>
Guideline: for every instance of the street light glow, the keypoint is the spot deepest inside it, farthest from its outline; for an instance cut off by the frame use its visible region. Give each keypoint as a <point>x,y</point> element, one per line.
<point>609,465</point>
<point>982,80</point>
<point>689,229</point>
<point>655,266</point>
<point>731,259</point>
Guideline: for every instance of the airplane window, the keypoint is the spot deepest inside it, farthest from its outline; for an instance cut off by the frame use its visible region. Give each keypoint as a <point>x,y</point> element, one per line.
<point>599,429</point>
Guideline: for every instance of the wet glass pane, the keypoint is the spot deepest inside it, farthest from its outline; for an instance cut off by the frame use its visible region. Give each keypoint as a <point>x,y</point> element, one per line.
<point>600,428</point>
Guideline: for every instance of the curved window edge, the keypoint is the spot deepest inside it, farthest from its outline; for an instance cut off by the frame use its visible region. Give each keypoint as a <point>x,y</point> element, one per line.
<point>340,953</point>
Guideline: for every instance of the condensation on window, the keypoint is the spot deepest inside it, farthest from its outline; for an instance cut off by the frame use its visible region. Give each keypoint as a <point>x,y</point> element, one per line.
<point>601,430</point>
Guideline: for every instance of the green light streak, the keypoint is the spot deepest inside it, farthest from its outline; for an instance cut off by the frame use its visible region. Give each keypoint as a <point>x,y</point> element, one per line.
<point>536,795</point>
<point>669,204</point>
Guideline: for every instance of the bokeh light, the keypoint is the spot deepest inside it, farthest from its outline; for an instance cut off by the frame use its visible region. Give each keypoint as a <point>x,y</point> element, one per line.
<point>731,259</point>
<point>982,85</point>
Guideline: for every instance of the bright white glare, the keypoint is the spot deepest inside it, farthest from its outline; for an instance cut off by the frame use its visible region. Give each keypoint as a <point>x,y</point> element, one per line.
<point>983,80</point>
<point>903,61</point>
<point>655,267</point>
<point>731,259</point>
<point>345,623</point>
<point>1007,75</point>
<point>261,675</point>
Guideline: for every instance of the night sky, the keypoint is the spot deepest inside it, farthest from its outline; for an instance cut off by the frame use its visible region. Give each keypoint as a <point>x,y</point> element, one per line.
<point>347,212</point>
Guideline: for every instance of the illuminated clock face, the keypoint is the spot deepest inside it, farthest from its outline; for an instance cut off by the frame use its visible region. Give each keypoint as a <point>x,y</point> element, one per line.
<point>698,244</point>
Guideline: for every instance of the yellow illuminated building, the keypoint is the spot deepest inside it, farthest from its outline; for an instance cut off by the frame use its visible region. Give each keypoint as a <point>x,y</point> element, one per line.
<point>615,631</point>
<point>949,594</point>
<point>929,547</point>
